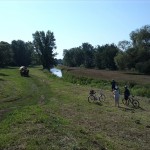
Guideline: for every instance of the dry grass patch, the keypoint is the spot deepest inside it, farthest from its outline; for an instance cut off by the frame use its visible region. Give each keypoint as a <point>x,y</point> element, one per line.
<point>109,75</point>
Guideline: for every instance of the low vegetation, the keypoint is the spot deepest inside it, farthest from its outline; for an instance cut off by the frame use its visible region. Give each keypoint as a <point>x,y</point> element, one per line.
<point>45,112</point>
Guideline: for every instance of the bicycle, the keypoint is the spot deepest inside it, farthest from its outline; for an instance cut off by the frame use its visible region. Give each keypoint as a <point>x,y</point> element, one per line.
<point>93,96</point>
<point>102,95</point>
<point>131,100</point>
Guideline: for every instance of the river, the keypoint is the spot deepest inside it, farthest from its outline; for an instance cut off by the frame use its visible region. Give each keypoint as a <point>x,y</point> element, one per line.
<point>56,72</point>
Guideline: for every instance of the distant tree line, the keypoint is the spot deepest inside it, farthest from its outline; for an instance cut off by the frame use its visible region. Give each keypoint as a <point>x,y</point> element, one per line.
<point>134,54</point>
<point>38,52</point>
<point>87,56</point>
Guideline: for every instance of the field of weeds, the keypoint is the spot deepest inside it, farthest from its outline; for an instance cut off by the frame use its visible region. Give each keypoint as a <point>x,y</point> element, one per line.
<point>138,84</point>
<point>119,76</point>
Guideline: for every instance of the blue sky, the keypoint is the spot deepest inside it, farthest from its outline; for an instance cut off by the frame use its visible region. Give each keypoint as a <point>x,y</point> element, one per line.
<point>73,22</point>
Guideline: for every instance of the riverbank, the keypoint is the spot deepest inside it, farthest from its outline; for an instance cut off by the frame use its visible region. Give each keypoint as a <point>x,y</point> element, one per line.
<point>45,112</point>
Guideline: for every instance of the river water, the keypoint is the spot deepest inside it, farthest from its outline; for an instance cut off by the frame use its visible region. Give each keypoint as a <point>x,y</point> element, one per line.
<point>56,72</point>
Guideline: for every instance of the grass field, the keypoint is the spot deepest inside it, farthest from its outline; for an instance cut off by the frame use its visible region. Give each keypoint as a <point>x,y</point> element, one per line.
<point>44,112</point>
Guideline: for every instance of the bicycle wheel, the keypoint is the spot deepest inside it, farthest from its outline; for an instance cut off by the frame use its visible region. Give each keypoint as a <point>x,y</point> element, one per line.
<point>91,98</point>
<point>125,102</point>
<point>135,104</point>
<point>102,97</point>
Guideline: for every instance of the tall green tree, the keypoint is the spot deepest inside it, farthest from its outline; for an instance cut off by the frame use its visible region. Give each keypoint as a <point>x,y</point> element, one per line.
<point>104,56</point>
<point>141,37</point>
<point>135,55</point>
<point>121,60</point>
<point>35,59</point>
<point>5,54</point>
<point>124,45</point>
<point>22,52</point>
<point>88,52</point>
<point>99,57</point>
<point>44,45</point>
<point>29,52</point>
<point>68,59</point>
<point>141,43</point>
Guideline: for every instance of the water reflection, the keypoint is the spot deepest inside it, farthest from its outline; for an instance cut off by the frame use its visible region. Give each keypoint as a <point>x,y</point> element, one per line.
<point>56,72</point>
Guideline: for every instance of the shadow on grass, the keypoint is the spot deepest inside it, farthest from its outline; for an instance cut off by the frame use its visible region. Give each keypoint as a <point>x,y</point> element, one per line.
<point>126,109</point>
<point>3,112</point>
<point>98,103</point>
<point>12,100</point>
<point>2,80</point>
<point>141,108</point>
<point>3,74</point>
<point>26,76</point>
<point>131,109</point>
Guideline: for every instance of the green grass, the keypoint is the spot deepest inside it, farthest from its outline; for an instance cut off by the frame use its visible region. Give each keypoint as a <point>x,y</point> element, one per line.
<point>45,112</point>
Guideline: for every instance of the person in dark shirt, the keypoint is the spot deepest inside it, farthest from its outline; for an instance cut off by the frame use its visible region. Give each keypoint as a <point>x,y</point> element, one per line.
<point>113,84</point>
<point>126,93</point>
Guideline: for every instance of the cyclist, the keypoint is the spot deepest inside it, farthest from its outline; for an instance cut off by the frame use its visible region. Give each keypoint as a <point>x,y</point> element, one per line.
<point>126,93</point>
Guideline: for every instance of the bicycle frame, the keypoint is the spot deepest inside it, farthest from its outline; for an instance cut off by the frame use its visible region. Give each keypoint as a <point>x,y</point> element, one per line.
<point>96,96</point>
<point>131,100</point>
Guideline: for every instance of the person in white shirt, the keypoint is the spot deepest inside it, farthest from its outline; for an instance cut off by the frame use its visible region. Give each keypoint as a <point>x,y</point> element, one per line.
<point>116,96</point>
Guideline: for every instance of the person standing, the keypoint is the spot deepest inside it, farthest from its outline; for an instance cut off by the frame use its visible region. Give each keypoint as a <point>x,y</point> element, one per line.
<point>116,96</point>
<point>113,84</point>
<point>126,93</point>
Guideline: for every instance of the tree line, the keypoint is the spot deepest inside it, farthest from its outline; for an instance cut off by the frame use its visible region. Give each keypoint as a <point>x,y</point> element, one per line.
<point>20,53</point>
<point>133,54</point>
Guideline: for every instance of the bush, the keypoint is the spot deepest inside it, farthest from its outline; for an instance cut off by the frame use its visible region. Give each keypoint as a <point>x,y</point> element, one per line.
<point>141,91</point>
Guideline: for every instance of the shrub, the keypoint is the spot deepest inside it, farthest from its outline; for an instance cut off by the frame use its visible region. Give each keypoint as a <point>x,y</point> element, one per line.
<point>141,91</point>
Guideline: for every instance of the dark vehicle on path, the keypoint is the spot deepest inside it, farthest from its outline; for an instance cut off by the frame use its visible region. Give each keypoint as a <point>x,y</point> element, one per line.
<point>24,71</point>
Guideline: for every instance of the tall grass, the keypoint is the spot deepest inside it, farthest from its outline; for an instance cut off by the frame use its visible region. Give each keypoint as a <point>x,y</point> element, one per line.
<point>135,87</point>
